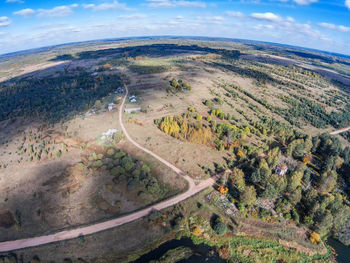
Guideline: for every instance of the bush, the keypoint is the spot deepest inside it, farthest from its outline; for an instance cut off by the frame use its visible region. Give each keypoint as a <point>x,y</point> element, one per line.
<point>110,152</point>
<point>97,164</point>
<point>208,103</point>
<point>117,171</point>
<point>127,163</point>
<point>220,227</point>
<point>145,169</point>
<point>154,214</point>
<point>197,231</point>
<point>119,155</point>
<point>59,153</point>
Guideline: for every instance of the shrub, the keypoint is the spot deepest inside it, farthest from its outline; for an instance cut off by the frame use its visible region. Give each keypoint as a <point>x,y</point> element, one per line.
<point>127,163</point>
<point>220,227</point>
<point>117,204</point>
<point>208,103</point>
<point>97,164</point>
<point>59,153</point>
<point>110,152</point>
<point>197,231</point>
<point>119,155</point>
<point>117,171</point>
<point>154,214</point>
<point>191,109</point>
<point>145,169</point>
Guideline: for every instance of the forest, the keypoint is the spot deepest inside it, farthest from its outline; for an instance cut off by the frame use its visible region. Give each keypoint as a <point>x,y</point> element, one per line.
<point>149,50</point>
<point>55,98</point>
<point>312,193</point>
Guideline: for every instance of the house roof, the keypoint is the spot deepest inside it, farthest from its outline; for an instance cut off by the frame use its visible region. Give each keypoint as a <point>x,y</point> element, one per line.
<point>282,166</point>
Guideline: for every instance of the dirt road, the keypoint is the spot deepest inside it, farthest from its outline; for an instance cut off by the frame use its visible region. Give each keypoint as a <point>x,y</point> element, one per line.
<point>91,229</point>
<point>340,131</point>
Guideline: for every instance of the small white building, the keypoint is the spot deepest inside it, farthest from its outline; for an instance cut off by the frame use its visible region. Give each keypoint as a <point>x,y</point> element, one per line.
<point>111,106</point>
<point>132,109</point>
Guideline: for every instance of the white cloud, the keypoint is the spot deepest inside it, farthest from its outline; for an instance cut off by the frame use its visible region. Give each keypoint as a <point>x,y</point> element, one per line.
<point>58,11</point>
<point>133,16</point>
<point>306,2</point>
<point>331,26</point>
<point>106,6</point>
<point>264,27</point>
<point>15,1</point>
<point>290,19</point>
<point>4,21</point>
<point>25,12</point>
<point>302,2</point>
<point>175,3</point>
<point>347,3</point>
<point>267,17</point>
<point>234,14</point>
<point>216,19</point>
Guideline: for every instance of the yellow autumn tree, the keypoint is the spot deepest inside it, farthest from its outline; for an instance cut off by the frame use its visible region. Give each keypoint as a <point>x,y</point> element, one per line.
<point>315,238</point>
<point>169,126</point>
<point>197,231</point>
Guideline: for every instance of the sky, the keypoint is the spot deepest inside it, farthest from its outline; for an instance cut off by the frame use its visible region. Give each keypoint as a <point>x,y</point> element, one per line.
<point>318,24</point>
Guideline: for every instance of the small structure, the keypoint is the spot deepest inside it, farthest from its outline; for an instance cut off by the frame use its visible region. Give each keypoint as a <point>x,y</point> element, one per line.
<point>132,99</point>
<point>90,112</point>
<point>94,74</point>
<point>132,109</point>
<point>108,134</point>
<point>281,169</point>
<point>111,106</point>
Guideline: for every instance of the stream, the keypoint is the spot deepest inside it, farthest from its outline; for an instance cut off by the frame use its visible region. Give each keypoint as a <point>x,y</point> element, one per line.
<point>201,252</point>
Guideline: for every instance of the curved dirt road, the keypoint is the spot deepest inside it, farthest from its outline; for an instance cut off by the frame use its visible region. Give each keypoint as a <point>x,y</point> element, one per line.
<point>340,131</point>
<point>91,229</point>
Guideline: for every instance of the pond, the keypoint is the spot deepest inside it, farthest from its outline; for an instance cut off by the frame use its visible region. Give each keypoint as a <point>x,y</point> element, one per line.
<point>342,250</point>
<point>200,253</point>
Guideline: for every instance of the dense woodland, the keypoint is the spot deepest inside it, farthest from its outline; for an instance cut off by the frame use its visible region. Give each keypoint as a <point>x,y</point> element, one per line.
<point>149,50</point>
<point>54,98</point>
<point>313,192</point>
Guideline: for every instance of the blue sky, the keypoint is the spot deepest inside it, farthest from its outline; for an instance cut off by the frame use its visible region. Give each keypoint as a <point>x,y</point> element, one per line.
<point>318,24</point>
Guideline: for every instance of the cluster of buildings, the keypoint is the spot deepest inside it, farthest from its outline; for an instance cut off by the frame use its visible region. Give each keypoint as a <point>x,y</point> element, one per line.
<point>112,106</point>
